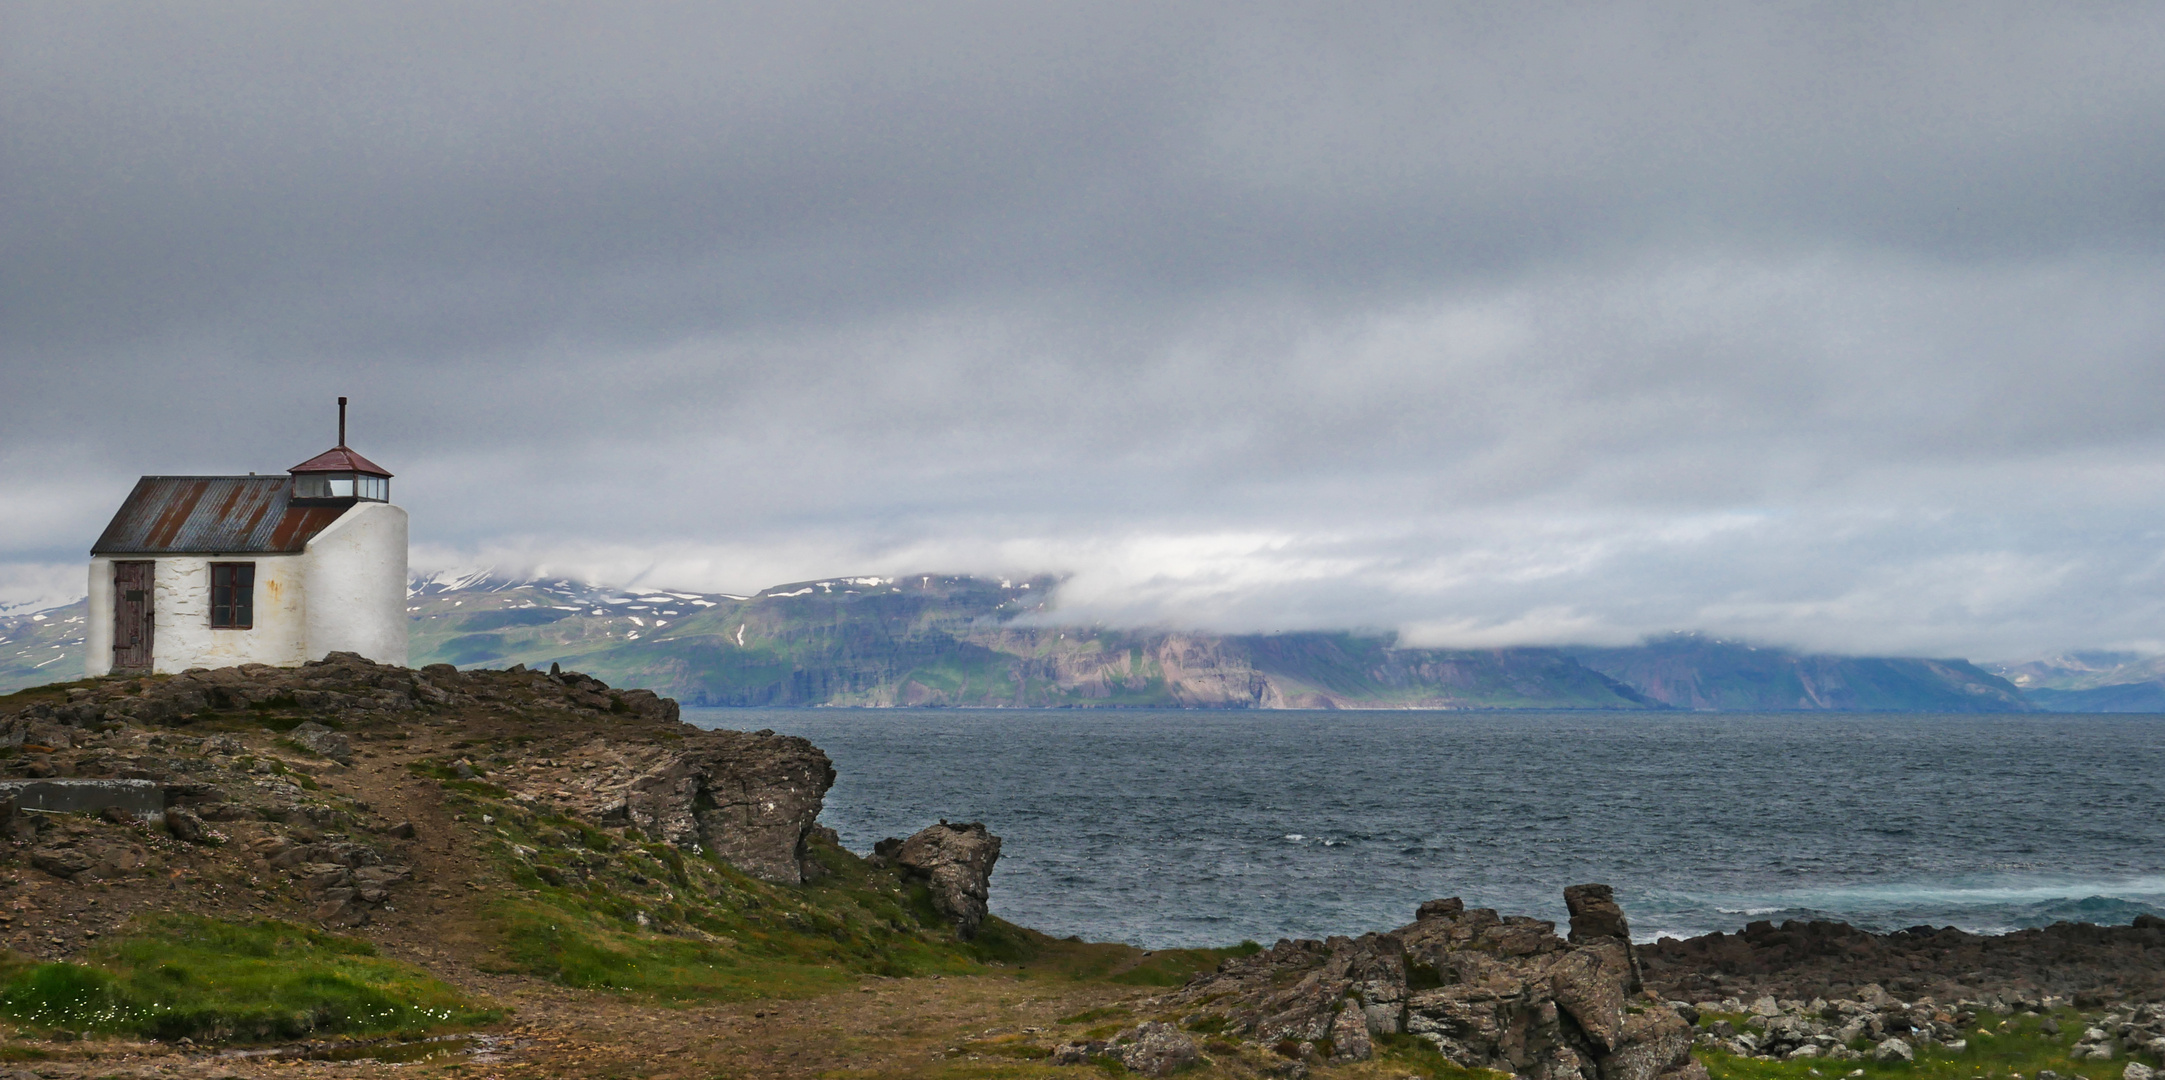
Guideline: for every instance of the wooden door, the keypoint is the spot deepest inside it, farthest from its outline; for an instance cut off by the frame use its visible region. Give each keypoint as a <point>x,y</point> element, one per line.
<point>132,617</point>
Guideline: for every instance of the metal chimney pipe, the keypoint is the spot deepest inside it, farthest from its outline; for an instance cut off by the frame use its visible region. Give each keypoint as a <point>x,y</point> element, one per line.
<point>341,421</point>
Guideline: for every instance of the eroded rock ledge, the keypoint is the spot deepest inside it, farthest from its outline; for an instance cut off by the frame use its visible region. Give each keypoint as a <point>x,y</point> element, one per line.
<point>1488,991</point>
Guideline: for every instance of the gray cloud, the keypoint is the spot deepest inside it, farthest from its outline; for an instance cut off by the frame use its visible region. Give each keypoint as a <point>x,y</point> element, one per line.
<point>1820,325</point>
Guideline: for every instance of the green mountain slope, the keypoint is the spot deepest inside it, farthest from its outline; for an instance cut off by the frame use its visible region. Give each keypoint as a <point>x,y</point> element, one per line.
<point>1689,671</point>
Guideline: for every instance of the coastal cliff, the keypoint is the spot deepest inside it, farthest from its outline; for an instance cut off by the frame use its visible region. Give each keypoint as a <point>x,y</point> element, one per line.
<point>345,861</point>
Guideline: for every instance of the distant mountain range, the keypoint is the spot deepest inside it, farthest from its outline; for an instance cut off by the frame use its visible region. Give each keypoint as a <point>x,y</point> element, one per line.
<point>949,640</point>
<point>1691,671</point>
<point>2091,682</point>
<point>961,641</point>
<point>952,640</point>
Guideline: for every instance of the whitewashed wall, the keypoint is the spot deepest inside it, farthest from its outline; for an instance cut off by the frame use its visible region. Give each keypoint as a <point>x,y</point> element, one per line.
<point>357,585</point>
<point>98,635</point>
<point>181,633</point>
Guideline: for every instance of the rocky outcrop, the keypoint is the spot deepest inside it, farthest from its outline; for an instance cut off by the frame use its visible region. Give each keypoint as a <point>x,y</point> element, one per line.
<point>1488,991</point>
<point>751,799</point>
<point>1802,960</point>
<point>955,861</point>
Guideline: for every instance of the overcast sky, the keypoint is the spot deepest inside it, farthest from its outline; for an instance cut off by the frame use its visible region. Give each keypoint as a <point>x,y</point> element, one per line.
<point>1835,326</point>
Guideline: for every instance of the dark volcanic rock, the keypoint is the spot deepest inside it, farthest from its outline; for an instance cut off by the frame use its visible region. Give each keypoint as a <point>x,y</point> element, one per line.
<point>1489,992</point>
<point>1595,914</point>
<point>956,860</point>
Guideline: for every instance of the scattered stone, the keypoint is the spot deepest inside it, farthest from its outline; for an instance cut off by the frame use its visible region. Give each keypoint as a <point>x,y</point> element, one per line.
<point>1893,1049</point>
<point>185,825</point>
<point>1077,1053</point>
<point>2136,1070</point>
<point>63,863</point>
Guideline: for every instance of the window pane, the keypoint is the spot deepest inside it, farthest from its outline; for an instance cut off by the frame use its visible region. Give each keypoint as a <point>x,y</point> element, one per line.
<point>341,487</point>
<point>232,595</point>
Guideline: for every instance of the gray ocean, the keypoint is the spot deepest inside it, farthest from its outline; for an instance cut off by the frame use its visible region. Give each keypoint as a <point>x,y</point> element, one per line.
<point>1168,828</point>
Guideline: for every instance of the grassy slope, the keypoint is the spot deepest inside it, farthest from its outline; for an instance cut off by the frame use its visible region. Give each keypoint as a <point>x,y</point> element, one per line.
<point>176,975</point>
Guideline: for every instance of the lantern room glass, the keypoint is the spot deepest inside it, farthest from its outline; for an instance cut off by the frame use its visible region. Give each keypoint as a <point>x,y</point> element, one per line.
<point>342,486</point>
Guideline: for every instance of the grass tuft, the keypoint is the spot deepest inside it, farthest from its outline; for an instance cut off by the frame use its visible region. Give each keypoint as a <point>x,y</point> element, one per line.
<point>171,976</point>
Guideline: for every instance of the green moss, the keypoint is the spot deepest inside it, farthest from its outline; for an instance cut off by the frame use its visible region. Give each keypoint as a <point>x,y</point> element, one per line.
<point>170,976</point>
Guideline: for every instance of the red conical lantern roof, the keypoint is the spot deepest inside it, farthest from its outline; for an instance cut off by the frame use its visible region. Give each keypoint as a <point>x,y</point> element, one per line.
<point>339,459</point>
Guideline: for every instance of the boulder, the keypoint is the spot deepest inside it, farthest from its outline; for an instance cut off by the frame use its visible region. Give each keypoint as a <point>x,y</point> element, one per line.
<point>1154,1048</point>
<point>751,799</point>
<point>956,861</point>
<point>1893,1049</point>
<point>185,825</point>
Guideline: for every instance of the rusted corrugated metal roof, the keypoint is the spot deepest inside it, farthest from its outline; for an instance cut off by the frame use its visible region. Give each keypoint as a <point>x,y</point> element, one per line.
<point>210,515</point>
<point>339,459</point>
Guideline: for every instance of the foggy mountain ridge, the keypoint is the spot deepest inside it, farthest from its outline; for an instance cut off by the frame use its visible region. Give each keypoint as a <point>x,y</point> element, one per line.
<point>959,640</point>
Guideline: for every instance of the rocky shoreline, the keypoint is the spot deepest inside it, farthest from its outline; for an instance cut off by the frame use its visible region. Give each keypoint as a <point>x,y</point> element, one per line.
<point>2079,964</point>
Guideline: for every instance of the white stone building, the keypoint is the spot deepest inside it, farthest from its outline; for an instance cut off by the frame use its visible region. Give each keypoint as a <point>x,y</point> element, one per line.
<point>212,571</point>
